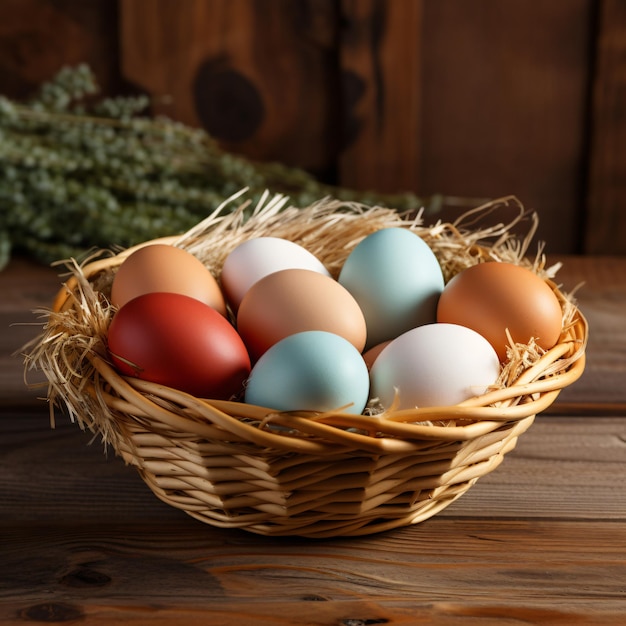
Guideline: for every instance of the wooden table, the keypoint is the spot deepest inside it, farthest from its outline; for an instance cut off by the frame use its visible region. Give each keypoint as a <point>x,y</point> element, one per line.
<point>541,540</point>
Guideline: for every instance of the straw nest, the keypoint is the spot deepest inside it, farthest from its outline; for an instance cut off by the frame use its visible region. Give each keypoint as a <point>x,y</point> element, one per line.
<point>235,465</point>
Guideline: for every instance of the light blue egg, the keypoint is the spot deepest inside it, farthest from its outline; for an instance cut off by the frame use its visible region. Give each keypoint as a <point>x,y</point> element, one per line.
<point>312,370</point>
<point>396,279</point>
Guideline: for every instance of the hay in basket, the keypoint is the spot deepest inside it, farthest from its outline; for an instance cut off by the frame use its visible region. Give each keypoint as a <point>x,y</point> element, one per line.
<point>235,465</point>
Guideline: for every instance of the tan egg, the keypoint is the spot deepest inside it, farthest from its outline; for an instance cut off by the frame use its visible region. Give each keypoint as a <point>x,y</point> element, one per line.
<point>371,355</point>
<point>296,300</point>
<point>164,268</point>
<point>493,297</point>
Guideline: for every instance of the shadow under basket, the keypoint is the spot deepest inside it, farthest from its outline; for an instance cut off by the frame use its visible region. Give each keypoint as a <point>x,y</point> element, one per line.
<point>235,465</point>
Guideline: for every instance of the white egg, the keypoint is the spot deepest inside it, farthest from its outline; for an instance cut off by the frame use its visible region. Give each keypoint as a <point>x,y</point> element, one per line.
<point>434,365</point>
<point>256,258</point>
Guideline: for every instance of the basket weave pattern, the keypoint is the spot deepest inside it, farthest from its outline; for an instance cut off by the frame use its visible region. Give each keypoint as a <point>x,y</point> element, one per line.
<point>318,475</point>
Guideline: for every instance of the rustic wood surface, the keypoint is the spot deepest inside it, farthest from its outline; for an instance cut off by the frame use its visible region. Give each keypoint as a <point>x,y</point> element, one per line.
<point>606,232</point>
<point>541,540</point>
<point>378,113</point>
<point>258,78</point>
<point>469,100</point>
<point>38,37</point>
<point>374,95</point>
<point>497,104</point>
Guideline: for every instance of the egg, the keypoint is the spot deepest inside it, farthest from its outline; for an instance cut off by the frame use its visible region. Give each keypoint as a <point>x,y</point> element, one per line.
<point>255,258</point>
<point>434,365</point>
<point>310,371</point>
<point>369,356</point>
<point>296,300</point>
<point>178,341</point>
<point>396,279</point>
<point>165,268</point>
<point>492,297</point>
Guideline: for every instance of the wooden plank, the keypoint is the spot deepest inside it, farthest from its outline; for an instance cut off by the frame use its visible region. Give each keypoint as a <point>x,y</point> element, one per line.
<point>605,231</point>
<point>83,537</point>
<point>599,286</point>
<point>76,479</point>
<point>114,570</point>
<point>38,37</point>
<point>501,111</point>
<point>25,286</point>
<point>445,571</point>
<point>381,63</point>
<point>503,106</point>
<point>471,102</point>
<point>259,78</point>
<point>562,468</point>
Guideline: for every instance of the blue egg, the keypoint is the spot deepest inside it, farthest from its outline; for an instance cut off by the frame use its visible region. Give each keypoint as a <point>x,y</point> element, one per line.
<point>396,279</point>
<point>312,370</point>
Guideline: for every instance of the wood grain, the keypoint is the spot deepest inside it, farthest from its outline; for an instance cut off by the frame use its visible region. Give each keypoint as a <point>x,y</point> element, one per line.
<point>381,61</point>
<point>433,97</point>
<point>605,231</point>
<point>261,81</point>
<point>469,101</point>
<point>503,106</point>
<point>542,540</point>
<point>38,37</point>
<point>375,93</point>
<point>25,286</point>
<point>445,571</point>
<point>599,286</point>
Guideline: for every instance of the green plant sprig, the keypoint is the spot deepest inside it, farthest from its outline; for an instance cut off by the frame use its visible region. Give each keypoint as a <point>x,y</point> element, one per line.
<point>78,173</point>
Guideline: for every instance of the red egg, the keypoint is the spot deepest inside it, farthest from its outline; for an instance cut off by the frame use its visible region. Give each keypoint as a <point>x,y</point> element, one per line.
<point>180,342</point>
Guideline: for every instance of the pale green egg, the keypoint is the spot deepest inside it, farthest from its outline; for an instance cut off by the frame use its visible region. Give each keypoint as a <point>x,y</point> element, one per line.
<point>396,279</point>
<point>312,370</point>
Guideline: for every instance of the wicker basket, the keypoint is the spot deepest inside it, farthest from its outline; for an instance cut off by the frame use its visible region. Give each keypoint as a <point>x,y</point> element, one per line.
<point>240,466</point>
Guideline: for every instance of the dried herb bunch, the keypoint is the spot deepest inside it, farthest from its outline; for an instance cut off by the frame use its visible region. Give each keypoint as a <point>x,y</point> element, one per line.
<point>79,171</point>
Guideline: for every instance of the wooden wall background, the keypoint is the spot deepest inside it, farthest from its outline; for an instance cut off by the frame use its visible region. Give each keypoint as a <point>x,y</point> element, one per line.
<point>469,99</point>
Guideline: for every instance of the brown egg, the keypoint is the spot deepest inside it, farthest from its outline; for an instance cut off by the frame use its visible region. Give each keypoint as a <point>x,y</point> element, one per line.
<point>372,354</point>
<point>295,300</point>
<point>167,269</point>
<point>493,297</point>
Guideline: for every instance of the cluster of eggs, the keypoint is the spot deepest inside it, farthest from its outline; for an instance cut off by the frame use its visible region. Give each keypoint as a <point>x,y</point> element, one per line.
<point>279,331</point>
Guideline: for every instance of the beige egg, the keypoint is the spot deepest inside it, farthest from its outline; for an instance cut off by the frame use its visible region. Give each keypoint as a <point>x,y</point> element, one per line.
<point>167,269</point>
<point>297,300</point>
<point>369,356</point>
